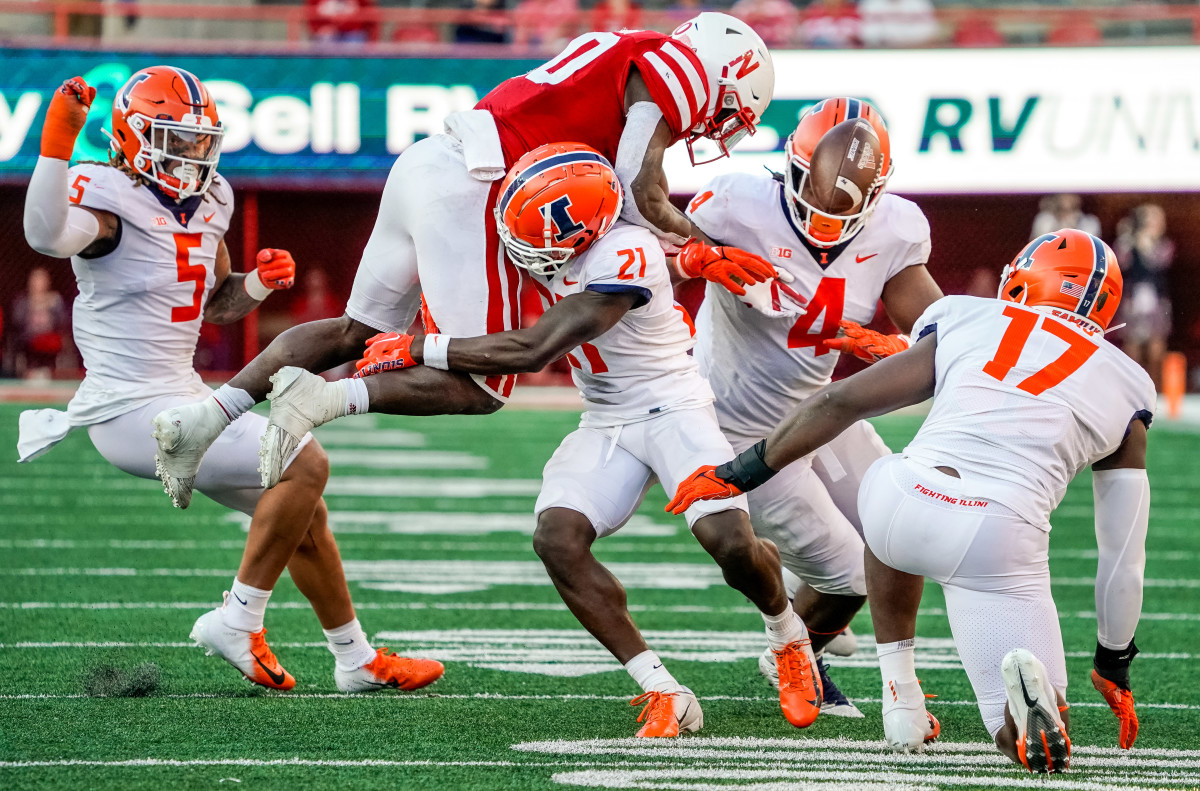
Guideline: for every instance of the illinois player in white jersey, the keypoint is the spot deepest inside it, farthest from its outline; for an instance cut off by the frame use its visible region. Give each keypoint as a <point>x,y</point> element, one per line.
<point>628,95</point>
<point>1026,393</point>
<point>611,312</point>
<point>145,235</point>
<point>847,243</point>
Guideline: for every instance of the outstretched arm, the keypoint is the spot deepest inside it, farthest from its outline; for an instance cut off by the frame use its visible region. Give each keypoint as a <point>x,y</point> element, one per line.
<point>895,382</point>
<point>236,294</point>
<point>574,320</point>
<point>1122,496</point>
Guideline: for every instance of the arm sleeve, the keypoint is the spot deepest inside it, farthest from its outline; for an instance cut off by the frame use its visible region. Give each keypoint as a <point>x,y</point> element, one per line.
<point>640,124</point>
<point>679,84</point>
<point>52,226</point>
<point>1122,498</point>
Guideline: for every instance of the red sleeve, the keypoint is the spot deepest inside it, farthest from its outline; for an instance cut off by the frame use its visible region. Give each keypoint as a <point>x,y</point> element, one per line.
<point>677,80</point>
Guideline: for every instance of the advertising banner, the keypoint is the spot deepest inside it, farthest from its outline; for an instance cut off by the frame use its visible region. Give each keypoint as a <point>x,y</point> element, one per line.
<point>961,121</point>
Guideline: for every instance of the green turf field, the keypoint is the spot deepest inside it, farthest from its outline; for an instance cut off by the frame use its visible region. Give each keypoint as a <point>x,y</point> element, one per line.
<point>433,518</point>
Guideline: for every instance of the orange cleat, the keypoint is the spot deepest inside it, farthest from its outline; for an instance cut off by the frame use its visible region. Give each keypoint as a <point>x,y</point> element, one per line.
<point>667,714</point>
<point>388,670</point>
<point>247,651</point>
<point>1121,702</point>
<point>800,690</point>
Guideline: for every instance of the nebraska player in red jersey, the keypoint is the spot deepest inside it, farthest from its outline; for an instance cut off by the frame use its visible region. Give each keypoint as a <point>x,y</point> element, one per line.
<point>628,95</point>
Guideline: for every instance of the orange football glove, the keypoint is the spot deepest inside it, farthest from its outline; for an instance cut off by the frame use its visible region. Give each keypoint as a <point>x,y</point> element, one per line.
<point>866,345</point>
<point>65,118</point>
<point>1121,702</point>
<point>703,484</point>
<point>276,269</point>
<point>723,264</point>
<point>386,351</point>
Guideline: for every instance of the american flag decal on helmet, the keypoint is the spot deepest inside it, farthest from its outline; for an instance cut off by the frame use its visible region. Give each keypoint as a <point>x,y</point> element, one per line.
<point>1071,289</point>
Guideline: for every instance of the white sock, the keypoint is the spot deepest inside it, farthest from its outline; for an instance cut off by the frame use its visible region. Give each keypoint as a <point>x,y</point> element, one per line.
<point>650,674</point>
<point>245,607</point>
<point>784,628</point>
<point>355,391</point>
<point>897,660</point>
<point>350,646</point>
<point>233,401</point>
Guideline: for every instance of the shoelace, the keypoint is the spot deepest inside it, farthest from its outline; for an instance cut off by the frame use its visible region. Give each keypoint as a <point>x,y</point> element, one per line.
<point>260,649</point>
<point>654,701</point>
<point>795,672</point>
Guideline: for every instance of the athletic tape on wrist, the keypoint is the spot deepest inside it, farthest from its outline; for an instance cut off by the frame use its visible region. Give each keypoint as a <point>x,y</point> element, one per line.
<point>748,470</point>
<point>437,351</point>
<point>255,287</point>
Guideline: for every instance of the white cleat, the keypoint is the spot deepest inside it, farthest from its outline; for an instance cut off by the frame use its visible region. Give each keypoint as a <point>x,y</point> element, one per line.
<point>1042,743</point>
<point>300,401</point>
<point>246,651</point>
<point>907,726</point>
<point>184,433</point>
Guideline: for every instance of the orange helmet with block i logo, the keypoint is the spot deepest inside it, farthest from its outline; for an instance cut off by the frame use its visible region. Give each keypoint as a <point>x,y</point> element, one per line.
<point>1068,269</point>
<point>816,223</point>
<point>165,125</point>
<point>555,202</point>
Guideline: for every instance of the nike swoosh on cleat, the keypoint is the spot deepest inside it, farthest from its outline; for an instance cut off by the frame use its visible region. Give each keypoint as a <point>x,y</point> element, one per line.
<point>278,678</point>
<point>1024,692</point>
<point>656,667</point>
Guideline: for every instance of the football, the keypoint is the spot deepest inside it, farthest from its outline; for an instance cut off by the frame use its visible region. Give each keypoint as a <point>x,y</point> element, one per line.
<point>845,165</point>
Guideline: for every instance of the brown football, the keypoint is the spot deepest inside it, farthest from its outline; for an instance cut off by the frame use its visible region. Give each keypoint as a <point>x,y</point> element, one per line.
<point>845,163</point>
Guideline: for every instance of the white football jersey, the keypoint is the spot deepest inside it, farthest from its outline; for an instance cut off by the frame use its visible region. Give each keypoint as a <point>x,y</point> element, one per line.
<point>1025,399</point>
<point>137,317</point>
<point>640,367</point>
<point>760,367</point>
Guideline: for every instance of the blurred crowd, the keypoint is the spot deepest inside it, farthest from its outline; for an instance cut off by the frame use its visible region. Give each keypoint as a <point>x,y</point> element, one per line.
<point>781,23</point>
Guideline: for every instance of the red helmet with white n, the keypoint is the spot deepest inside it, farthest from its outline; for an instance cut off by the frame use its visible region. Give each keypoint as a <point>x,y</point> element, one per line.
<point>164,123</point>
<point>554,203</point>
<point>1067,269</point>
<point>731,50</point>
<point>818,226</point>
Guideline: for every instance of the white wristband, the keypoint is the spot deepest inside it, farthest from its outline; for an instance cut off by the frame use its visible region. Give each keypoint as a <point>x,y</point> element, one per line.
<point>255,288</point>
<point>437,351</point>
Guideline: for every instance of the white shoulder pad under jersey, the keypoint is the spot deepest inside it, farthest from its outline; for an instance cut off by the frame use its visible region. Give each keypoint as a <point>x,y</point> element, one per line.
<point>760,367</point>
<point>1025,399</point>
<point>641,366</point>
<point>137,317</point>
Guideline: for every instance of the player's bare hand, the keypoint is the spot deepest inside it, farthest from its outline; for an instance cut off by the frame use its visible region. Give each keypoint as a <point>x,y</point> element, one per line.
<point>867,345</point>
<point>65,118</point>
<point>276,269</point>
<point>728,266</point>
<point>703,484</point>
<point>387,351</point>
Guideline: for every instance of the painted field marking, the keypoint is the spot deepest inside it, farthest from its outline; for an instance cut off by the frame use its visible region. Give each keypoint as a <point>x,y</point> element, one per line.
<point>405,459</point>
<point>464,576</point>
<point>453,523</point>
<point>337,436</point>
<point>265,694</point>
<point>770,764</point>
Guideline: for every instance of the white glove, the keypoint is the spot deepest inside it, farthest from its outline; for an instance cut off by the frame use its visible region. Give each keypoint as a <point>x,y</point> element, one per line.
<point>775,298</point>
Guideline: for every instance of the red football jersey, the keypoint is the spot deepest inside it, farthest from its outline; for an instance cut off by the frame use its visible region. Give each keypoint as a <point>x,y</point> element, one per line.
<point>579,96</point>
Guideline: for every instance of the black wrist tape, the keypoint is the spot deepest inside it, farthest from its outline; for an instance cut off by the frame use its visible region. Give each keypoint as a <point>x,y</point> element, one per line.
<point>1114,664</point>
<point>747,470</point>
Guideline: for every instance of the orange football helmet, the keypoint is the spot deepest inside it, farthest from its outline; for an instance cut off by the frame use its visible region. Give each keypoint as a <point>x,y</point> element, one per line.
<point>554,203</point>
<point>165,125</point>
<point>1067,269</point>
<point>818,227</point>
